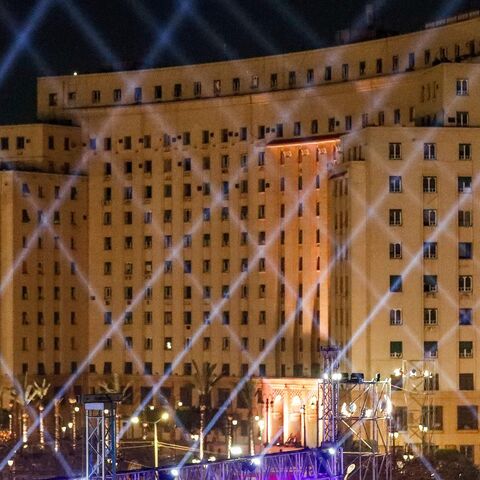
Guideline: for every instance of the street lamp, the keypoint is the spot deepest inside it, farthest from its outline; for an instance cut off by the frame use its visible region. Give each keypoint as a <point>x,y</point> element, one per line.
<point>423,429</point>
<point>394,436</point>
<point>163,418</point>
<point>11,470</point>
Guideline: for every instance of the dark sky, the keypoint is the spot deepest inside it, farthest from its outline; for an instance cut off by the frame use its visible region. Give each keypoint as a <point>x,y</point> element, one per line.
<point>46,37</point>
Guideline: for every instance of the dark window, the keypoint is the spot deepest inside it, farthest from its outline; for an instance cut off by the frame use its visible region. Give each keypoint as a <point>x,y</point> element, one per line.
<point>465,250</point>
<point>465,316</point>
<point>465,381</point>
<point>467,417</point>
<point>395,283</point>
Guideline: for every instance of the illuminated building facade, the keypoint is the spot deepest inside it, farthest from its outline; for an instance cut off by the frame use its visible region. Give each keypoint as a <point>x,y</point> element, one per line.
<point>244,212</point>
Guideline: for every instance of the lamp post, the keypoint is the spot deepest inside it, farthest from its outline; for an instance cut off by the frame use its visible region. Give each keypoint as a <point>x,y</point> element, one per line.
<point>394,436</point>
<point>423,429</point>
<point>11,470</point>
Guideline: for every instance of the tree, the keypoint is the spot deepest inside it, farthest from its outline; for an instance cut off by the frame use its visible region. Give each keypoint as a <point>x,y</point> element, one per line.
<point>444,464</point>
<point>204,380</point>
<point>23,396</point>
<point>40,391</point>
<point>248,394</point>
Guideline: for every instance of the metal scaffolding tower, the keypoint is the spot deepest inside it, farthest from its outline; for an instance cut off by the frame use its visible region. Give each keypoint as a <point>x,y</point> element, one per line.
<point>100,435</point>
<point>329,416</point>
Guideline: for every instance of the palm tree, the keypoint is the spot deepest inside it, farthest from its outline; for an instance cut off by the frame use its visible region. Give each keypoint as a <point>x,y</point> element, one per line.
<point>23,396</point>
<point>204,379</point>
<point>248,393</point>
<point>40,391</point>
<point>113,386</point>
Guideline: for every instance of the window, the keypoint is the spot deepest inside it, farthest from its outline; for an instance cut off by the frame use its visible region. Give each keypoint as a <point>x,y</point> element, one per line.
<point>331,124</point>
<point>395,184</point>
<point>395,63</point>
<point>395,283</point>
<point>20,141</point>
<point>157,92</point>
<point>426,57</point>
<point>429,151</point>
<point>465,316</point>
<point>429,217</point>
<point>430,382</point>
<point>236,85</point>
<point>177,90</point>
<point>255,81</point>
<point>396,316</point>
<point>465,283</point>
<point>462,86</point>
<point>465,218</point>
<point>379,65</point>
<point>430,250</point>
<point>462,119</point>
<point>197,89</point>
<point>396,349</point>
<point>465,381</point>
<point>396,116</point>
<point>327,73</point>
<point>429,184</point>
<point>292,79</point>
<point>465,349</point>
<point>348,122</point>
<point>4,143</point>
<point>394,151</point>
<point>464,151</point>
<point>465,250</point>
<point>310,76</point>
<point>137,94</point>
<point>345,71</point>
<point>395,250</point>
<point>430,316</point>
<point>430,283</point>
<point>395,217</point>
<point>411,61</point>
<point>430,349</point>
<point>297,128</point>
<point>467,417</point>
<point>96,96</point>
<point>464,184</point>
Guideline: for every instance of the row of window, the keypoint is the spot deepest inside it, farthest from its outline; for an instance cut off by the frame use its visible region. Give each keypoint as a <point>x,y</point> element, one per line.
<point>57,192</point>
<point>429,182</point>
<point>26,293</point>
<point>187,292</point>
<point>56,268</point>
<point>430,349</point>
<point>429,151</point>
<point>430,251</point>
<point>25,318</point>
<point>41,343</point>
<point>217,88</point>
<point>430,283</point>
<point>205,188</point>
<point>261,265</point>
<point>430,219</point>
<point>43,217</point>
<point>432,417</point>
<point>430,316</point>
<point>128,242</point>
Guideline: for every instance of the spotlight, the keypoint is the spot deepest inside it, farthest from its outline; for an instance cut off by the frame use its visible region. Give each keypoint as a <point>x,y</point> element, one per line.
<point>331,451</point>
<point>236,450</point>
<point>175,473</point>
<point>357,377</point>
<point>256,461</point>
<point>212,458</point>
<point>336,376</point>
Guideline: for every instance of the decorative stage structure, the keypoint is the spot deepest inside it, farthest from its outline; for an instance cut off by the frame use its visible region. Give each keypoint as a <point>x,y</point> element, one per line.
<point>352,428</point>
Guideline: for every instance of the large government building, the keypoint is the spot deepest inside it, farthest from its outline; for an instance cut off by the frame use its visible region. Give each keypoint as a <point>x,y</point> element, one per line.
<point>248,212</point>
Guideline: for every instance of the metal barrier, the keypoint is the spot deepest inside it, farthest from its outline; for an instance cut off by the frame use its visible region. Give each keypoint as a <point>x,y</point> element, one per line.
<point>312,464</point>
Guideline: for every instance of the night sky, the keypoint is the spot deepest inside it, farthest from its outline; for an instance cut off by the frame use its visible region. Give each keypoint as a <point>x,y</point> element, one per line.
<point>97,35</point>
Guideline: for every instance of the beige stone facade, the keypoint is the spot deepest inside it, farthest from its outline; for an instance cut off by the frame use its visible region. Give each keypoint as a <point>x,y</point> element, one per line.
<point>246,212</point>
